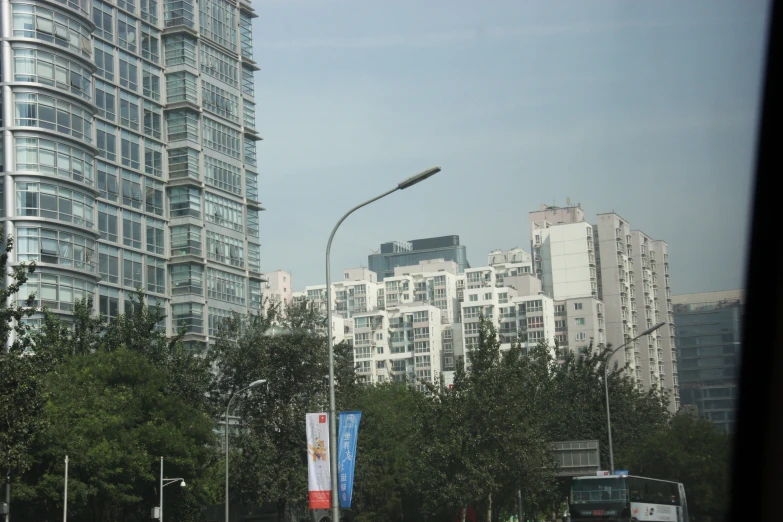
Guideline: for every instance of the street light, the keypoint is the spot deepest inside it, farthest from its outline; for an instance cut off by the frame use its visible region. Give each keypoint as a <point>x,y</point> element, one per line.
<point>163,483</point>
<point>253,384</point>
<point>409,182</point>
<point>606,387</point>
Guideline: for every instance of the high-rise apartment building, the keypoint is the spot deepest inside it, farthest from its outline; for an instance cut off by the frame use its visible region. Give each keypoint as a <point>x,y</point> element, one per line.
<point>709,337</point>
<point>407,253</point>
<point>128,155</point>
<point>627,271</point>
<point>277,291</point>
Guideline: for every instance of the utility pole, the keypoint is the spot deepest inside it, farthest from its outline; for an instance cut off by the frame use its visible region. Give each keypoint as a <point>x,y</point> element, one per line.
<point>65,495</point>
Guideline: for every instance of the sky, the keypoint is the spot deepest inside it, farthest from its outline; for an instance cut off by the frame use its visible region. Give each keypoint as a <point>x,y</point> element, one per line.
<point>648,109</point>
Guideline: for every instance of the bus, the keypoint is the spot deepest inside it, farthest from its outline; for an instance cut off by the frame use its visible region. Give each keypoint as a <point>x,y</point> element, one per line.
<point>626,498</point>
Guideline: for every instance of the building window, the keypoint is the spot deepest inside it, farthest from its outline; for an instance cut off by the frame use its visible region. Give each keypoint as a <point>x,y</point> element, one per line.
<point>42,24</point>
<point>156,275</point>
<point>223,212</point>
<point>155,236</point>
<point>535,306</point>
<point>104,60</point>
<point>251,185</point>
<point>179,12</point>
<point>47,112</point>
<point>109,303</point>
<point>153,159</point>
<point>51,157</point>
<point>128,5</point>
<point>185,201</point>
<point>55,292</point>
<point>222,175</point>
<point>248,82</point>
<point>218,22</point>
<point>254,257</point>
<point>129,110</point>
<point>149,11</point>
<point>225,286</point>
<point>580,336</point>
<point>246,35</point>
<point>180,50</point>
<point>225,249</point>
<point>255,294</point>
<point>109,263</point>
<point>218,65</point>
<point>132,270</point>
<point>102,15</point>
<point>105,99</point>
<point>33,65</point>
<point>129,72</point>
<point>108,181</point>
<point>126,32</point>
<point>107,222</point>
<point>181,87</point>
<point>188,316</point>
<point>220,102</point>
<point>54,202</point>
<point>55,247</point>
<point>577,306</point>
<point>249,114</point>
<point>185,240</point>
<point>182,125</point>
<point>252,223</point>
<point>150,81</point>
<point>184,162</point>
<point>131,189</point>
<point>187,279</point>
<point>579,321</point>
<point>131,229</point>
<point>150,43</point>
<point>250,152</point>
<point>154,196</point>
<point>106,140</point>
<point>216,317</point>
<point>535,322</point>
<point>221,138</point>
<point>152,120</point>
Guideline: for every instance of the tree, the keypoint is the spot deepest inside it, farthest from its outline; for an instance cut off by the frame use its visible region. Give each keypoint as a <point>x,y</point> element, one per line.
<point>289,350</point>
<point>113,415</point>
<point>485,439</point>
<point>695,453</point>
<point>21,395</point>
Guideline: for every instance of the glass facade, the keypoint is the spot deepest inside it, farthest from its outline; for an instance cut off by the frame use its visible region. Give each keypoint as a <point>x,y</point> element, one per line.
<point>709,336</point>
<point>141,174</point>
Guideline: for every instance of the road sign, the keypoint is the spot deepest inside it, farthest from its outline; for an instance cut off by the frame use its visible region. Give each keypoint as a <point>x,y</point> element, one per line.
<point>576,458</point>
<point>621,472</point>
<point>602,473</point>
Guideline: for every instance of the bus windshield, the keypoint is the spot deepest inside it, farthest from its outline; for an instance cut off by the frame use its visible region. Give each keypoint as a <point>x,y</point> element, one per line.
<point>599,490</point>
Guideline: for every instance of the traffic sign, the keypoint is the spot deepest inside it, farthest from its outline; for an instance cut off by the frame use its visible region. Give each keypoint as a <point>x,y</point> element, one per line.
<point>621,472</point>
<point>602,473</point>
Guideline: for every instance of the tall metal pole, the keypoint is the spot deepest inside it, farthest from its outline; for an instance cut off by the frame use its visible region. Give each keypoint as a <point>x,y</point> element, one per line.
<point>606,387</point>
<point>330,340</point>
<point>160,508</point>
<point>65,494</point>
<point>8,495</point>
<point>409,182</point>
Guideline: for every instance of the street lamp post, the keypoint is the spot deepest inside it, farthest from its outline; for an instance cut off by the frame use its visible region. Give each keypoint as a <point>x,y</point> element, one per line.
<point>409,182</point>
<point>606,387</point>
<point>163,483</point>
<point>251,385</point>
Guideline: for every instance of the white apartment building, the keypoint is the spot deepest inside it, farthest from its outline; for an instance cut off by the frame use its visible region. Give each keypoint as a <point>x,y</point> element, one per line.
<point>580,322</point>
<point>277,290</point>
<point>398,343</point>
<point>612,263</point>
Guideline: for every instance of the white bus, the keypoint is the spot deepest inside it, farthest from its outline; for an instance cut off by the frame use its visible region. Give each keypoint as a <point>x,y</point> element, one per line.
<point>626,498</point>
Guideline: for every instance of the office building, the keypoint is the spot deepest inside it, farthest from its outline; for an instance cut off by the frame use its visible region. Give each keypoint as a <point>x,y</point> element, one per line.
<point>627,271</point>
<point>709,336</point>
<point>129,155</point>
<point>406,253</point>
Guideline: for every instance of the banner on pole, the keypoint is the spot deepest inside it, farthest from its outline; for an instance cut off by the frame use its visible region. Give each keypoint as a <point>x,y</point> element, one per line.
<point>319,479</point>
<point>346,455</point>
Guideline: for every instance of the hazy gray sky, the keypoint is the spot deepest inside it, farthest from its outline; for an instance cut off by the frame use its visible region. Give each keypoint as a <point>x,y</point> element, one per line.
<point>645,108</point>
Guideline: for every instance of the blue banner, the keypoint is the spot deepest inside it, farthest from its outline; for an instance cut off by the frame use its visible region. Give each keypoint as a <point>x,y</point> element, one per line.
<point>346,455</point>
